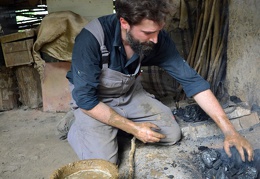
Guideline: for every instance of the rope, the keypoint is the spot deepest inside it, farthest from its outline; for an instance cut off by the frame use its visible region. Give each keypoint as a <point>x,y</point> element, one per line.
<point>131,159</point>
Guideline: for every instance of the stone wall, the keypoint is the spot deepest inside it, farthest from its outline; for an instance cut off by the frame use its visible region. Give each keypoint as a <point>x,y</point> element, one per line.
<point>244,51</point>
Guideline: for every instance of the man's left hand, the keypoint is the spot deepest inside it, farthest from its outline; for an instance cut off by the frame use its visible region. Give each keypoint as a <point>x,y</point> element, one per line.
<point>241,145</point>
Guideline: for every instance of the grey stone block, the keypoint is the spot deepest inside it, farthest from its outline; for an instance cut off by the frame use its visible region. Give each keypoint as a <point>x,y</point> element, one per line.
<point>209,128</point>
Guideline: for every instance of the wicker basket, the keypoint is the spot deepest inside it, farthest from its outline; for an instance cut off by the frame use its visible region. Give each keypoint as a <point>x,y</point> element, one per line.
<point>94,168</point>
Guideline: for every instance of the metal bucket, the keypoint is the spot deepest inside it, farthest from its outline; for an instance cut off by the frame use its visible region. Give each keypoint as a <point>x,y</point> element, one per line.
<point>94,168</point>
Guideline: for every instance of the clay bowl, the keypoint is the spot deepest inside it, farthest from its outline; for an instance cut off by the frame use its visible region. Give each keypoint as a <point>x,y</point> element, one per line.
<point>94,168</point>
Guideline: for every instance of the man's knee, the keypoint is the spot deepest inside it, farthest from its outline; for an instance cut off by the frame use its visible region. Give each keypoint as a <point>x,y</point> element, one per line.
<point>173,135</point>
<point>97,147</point>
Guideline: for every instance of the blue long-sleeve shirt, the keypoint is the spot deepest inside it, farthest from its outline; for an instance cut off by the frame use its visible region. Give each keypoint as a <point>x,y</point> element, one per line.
<point>87,64</point>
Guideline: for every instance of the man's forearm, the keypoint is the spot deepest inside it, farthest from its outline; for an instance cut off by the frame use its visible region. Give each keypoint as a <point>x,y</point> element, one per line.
<point>208,102</point>
<point>107,115</point>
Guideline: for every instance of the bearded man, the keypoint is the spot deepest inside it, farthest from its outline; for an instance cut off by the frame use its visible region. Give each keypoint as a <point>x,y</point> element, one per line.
<point>108,95</point>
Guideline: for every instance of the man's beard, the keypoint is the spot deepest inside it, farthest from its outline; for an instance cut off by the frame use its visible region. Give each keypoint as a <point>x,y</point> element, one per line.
<point>141,48</point>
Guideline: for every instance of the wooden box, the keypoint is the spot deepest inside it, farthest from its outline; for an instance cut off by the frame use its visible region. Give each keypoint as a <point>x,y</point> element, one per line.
<point>17,48</point>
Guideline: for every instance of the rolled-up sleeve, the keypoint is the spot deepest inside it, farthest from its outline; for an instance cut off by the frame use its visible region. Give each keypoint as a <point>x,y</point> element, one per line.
<point>170,60</point>
<point>85,69</point>
<point>190,80</point>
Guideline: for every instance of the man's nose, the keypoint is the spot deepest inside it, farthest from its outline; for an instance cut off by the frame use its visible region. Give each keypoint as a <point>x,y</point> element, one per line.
<point>154,39</point>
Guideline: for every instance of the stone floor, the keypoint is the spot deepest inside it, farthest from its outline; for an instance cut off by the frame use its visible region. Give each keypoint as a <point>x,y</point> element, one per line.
<point>31,148</point>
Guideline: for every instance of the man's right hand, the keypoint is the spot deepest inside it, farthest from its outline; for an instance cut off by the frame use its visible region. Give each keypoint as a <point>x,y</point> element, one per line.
<point>143,132</point>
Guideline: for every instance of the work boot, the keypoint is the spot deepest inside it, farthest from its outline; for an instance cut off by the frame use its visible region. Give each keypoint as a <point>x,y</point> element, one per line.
<point>64,125</point>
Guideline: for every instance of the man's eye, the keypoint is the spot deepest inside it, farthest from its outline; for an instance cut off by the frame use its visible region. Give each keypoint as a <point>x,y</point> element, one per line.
<point>149,33</point>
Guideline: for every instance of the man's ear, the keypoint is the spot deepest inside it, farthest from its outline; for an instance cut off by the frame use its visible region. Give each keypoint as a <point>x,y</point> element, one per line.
<point>124,23</point>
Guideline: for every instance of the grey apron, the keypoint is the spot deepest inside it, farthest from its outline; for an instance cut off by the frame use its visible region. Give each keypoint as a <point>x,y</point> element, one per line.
<point>91,139</point>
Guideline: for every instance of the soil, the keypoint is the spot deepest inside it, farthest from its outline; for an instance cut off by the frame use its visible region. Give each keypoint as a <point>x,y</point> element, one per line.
<point>31,148</point>
<point>30,144</point>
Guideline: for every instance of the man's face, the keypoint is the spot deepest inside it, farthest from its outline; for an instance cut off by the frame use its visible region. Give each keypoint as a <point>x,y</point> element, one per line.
<point>143,37</point>
<point>141,48</point>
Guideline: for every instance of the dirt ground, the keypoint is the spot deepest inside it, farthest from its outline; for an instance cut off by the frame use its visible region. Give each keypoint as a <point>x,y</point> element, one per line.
<point>30,144</point>
<point>31,149</point>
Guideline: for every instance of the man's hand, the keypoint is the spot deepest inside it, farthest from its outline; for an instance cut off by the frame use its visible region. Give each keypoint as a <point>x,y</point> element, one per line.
<point>211,106</point>
<point>241,144</point>
<point>144,132</point>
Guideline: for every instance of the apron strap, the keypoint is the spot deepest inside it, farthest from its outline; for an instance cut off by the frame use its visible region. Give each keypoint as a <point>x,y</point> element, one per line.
<point>96,29</point>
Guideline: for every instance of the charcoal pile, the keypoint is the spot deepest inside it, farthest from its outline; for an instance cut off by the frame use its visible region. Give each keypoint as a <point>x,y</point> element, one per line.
<point>215,164</point>
<point>191,113</point>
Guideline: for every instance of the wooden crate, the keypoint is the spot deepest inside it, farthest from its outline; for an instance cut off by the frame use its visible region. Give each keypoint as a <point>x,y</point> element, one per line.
<point>17,48</point>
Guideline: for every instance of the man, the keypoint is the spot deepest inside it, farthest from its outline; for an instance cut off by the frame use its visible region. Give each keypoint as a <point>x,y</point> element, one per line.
<point>109,96</point>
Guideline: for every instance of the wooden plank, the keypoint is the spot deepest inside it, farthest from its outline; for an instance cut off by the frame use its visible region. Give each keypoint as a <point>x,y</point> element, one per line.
<point>29,22</point>
<point>8,89</point>
<point>6,2</point>
<point>31,9</point>
<point>1,101</point>
<point>12,47</point>
<point>29,85</point>
<point>17,36</point>
<point>36,16</point>
<point>23,27</point>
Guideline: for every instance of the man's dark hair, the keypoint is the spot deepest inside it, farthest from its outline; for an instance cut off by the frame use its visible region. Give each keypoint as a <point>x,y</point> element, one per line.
<point>134,11</point>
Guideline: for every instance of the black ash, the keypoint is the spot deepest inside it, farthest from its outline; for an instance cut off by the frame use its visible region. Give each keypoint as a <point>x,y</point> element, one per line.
<point>191,113</point>
<point>215,164</point>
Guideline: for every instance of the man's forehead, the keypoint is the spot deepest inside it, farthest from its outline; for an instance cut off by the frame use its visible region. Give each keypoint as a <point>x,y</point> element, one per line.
<point>147,25</point>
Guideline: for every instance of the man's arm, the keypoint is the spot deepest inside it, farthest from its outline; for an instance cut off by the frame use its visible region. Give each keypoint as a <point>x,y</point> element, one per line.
<point>208,102</point>
<point>141,131</point>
